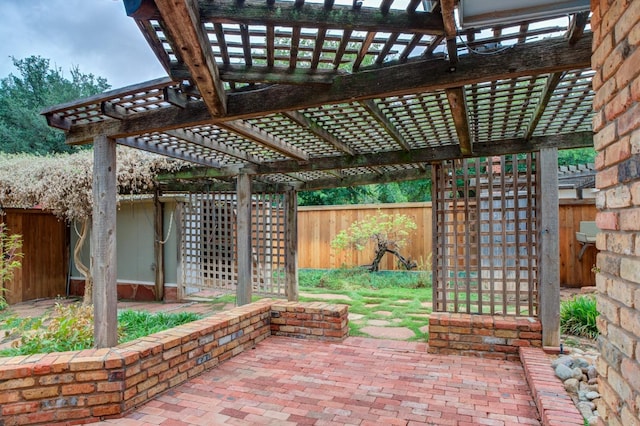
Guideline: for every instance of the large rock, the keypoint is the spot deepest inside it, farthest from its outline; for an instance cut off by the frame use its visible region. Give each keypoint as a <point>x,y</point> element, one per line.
<point>563,372</point>
<point>571,385</point>
<point>565,360</point>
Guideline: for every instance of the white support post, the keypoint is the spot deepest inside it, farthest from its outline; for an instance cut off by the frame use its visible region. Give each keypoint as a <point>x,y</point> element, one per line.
<point>243,235</point>
<point>103,243</point>
<point>549,267</point>
<point>291,245</point>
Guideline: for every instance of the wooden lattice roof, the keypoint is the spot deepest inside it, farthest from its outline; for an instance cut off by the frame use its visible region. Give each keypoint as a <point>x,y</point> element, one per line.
<point>318,94</point>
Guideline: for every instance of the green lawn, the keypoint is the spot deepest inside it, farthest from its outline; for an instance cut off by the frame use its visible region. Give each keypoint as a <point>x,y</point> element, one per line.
<point>405,295</point>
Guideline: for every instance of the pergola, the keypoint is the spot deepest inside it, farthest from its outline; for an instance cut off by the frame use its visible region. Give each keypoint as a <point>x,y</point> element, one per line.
<point>294,95</point>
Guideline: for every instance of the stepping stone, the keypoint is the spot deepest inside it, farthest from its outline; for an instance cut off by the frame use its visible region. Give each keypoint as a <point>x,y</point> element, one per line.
<point>380,323</point>
<point>355,317</point>
<point>424,329</point>
<point>371,305</point>
<point>326,296</point>
<point>398,333</point>
<point>384,313</point>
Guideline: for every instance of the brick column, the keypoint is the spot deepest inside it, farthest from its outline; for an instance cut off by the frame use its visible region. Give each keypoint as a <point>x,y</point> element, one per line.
<point>616,62</point>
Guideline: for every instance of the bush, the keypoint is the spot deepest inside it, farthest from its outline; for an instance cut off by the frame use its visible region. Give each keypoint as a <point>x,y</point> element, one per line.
<point>70,328</point>
<point>578,317</point>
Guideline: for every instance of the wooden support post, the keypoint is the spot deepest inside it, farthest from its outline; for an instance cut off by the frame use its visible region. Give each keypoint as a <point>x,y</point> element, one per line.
<point>243,235</point>
<point>291,244</point>
<point>103,243</point>
<point>549,266</point>
<point>158,246</point>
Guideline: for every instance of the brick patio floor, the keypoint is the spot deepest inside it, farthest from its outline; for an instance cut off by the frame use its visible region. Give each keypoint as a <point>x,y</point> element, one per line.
<point>360,381</point>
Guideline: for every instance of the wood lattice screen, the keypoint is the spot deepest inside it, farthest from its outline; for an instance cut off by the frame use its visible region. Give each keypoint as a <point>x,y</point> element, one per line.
<point>208,243</point>
<point>485,235</point>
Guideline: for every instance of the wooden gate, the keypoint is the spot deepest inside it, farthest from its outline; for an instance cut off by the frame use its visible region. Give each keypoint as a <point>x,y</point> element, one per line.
<point>485,241</point>
<point>45,247</point>
<point>208,243</point>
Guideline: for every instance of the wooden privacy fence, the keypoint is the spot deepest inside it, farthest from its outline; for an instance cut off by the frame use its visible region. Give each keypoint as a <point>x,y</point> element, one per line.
<point>318,226</point>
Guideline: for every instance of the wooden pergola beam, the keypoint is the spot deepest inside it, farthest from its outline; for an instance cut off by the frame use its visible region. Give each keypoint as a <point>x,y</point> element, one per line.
<point>447,7</point>
<point>307,123</point>
<point>258,12</point>
<point>387,125</point>
<point>547,92</point>
<point>547,56</point>
<point>265,139</point>
<point>243,243</point>
<point>173,152</point>
<point>458,108</point>
<point>423,155</point>
<point>181,21</point>
<point>364,179</point>
<point>200,140</point>
<point>103,243</point>
<point>576,27</point>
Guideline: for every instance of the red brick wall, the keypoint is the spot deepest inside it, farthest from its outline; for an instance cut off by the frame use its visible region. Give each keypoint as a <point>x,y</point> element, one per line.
<point>616,61</point>
<point>75,387</point>
<point>486,336</point>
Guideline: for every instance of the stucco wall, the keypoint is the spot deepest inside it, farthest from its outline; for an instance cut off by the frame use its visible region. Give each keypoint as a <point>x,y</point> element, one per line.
<point>616,60</point>
<point>135,243</point>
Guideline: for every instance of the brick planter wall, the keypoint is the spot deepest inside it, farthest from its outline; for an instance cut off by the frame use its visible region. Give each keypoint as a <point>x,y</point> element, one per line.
<point>486,336</point>
<point>616,123</point>
<point>318,320</point>
<point>77,387</point>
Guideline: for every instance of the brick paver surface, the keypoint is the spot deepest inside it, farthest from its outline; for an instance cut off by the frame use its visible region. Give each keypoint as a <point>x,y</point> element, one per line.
<point>285,381</point>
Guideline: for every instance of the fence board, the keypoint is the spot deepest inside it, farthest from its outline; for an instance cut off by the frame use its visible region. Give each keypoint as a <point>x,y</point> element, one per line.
<point>318,226</point>
<point>45,248</point>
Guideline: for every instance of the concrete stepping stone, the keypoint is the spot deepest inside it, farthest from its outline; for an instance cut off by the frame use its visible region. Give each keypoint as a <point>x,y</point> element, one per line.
<point>398,333</point>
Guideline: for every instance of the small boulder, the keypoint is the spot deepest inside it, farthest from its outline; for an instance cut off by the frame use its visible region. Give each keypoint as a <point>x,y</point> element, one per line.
<point>592,373</point>
<point>563,372</point>
<point>571,385</point>
<point>565,360</point>
<point>592,395</point>
<point>577,373</point>
<point>585,409</point>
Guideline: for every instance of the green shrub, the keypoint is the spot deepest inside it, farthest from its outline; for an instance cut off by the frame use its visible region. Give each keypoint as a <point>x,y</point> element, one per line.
<point>135,324</point>
<point>578,317</point>
<point>70,328</point>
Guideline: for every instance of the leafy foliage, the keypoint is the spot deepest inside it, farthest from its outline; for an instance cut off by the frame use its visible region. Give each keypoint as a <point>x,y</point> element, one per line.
<point>388,232</point>
<point>10,258</point>
<point>357,278</point>
<point>578,317</point>
<point>135,324</point>
<point>70,328</point>
<point>577,156</point>
<point>22,97</point>
<point>62,183</point>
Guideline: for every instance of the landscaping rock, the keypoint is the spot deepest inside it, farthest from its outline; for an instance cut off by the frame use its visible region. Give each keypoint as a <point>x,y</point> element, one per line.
<point>579,376</point>
<point>565,360</point>
<point>571,385</point>
<point>563,372</point>
<point>592,395</point>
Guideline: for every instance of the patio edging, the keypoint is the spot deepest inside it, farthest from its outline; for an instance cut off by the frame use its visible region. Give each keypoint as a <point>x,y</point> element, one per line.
<point>93,384</point>
<point>555,407</point>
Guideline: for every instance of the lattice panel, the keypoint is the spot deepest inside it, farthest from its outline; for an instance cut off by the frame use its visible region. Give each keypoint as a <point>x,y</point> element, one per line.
<point>485,236</point>
<point>208,243</point>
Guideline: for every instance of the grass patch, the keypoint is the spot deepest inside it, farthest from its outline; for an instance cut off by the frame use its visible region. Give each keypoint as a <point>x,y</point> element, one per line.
<point>135,324</point>
<point>578,317</point>
<point>405,295</point>
<point>70,328</point>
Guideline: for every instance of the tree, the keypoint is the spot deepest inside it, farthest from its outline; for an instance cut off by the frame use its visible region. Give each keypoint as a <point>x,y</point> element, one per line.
<point>22,97</point>
<point>388,232</point>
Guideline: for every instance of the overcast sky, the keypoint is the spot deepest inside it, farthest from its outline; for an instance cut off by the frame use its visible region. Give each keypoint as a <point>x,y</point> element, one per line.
<point>95,35</point>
